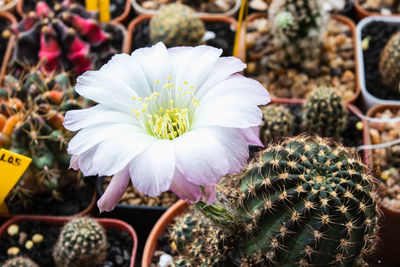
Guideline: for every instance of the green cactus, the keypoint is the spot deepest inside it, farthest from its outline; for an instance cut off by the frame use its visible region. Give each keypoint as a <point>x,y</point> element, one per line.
<point>324,113</point>
<point>389,64</point>
<point>182,262</point>
<point>277,123</point>
<point>298,27</point>
<point>306,201</point>
<point>38,102</point>
<point>19,262</point>
<point>176,25</point>
<point>82,242</point>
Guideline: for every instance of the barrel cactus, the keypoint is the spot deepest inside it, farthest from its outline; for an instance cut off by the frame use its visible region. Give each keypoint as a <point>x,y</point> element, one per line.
<point>32,109</point>
<point>324,113</point>
<point>389,64</point>
<point>82,242</point>
<point>277,123</point>
<point>176,25</point>
<point>298,26</point>
<point>305,201</point>
<point>19,262</point>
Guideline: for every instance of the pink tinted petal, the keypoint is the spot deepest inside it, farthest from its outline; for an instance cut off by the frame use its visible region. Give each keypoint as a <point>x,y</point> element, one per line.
<point>152,170</point>
<point>184,189</point>
<point>209,195</point>
<point>114,191</point>
<point>252,136</point>
<point>85,162</point>
<point>74,163</point>
<point>200,156</point>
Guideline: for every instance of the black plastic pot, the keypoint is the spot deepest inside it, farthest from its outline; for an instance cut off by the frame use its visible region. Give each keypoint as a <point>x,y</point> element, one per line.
<point>141,218</point>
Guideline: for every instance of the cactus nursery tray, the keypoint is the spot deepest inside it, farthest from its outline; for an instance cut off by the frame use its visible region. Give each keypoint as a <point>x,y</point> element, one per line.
<point>121,249</point>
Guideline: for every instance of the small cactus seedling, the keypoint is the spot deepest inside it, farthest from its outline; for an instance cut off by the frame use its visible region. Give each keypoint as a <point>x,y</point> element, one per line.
<point>32,110</point>
<point>277,123</point>
<point>82,242</point>
<point>63,37</point>
<point>298,27</point>
<point>324,113</point>
<point>176,25</point>
<point>389,64</point>
<point>20,262</point>
<point>305,201</point>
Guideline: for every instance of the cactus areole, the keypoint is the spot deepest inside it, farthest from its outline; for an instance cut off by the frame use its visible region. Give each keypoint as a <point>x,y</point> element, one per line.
<point>304,202</point>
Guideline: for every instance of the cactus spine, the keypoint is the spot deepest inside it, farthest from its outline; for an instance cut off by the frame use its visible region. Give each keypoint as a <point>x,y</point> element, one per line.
<point>306,201</point>
<point>389,64</point>
<point>82,242</point>
<point>176,25</point>
<point>19,262</point>
<point>298,27</point>
<point>324,113</point>
<point>31,115</point>
<point>277,123</point>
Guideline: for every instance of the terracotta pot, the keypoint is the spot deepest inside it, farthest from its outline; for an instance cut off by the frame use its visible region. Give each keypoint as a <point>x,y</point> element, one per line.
<point>363,13</point>
<point>10,45</point>
<point>342,19</point>
<point>135,22</point>
<point>120,19</point>
<point>231,12</point>
<point>179,207</point>
<point>388,249</point>
<point>10,6</point>
<point>88,210</point>
<point>60,221</point>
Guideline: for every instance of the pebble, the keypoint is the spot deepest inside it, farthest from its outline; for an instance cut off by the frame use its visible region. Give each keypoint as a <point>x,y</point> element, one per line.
<point>165,260</point>
<point>22,238</point>
<point>37,238</point>
<point>258,5</point>
<point>13,251</point>
<point>13,229</point>
<point>29,244</point>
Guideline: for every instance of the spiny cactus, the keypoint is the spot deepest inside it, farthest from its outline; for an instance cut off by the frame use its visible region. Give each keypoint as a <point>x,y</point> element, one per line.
<point>66,37</point>
<point>306,201</point>
<point>389,64</point>
<point>277,123</point>
<point>82,242</point>
<point>19,262</point>
<point>176,25</point>
<point>31,115</point>
<point>324,113</point>
<point>298,26</point>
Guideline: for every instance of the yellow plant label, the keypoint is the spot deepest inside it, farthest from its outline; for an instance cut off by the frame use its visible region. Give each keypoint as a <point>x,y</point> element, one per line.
<point>92,5</point>
<point>12,166</point>
<point>104,9</point>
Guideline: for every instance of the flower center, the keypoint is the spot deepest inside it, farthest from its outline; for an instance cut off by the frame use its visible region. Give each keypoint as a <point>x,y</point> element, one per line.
<point>167,112</point>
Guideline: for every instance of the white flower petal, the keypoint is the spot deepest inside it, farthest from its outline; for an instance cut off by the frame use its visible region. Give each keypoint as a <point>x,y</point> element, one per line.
<point>106,90</point>
<point>124,68</point>
<point>175,57</point>
<point>152,171</point>
<point>184,189</point>
<point>154,63</point>
<point>223,68</point>
<point>114,191</point>
<point>200,156</point>
<point>90,136</point>
<point>196,65</point>
<point>85,162</point>
<point>114,154</point>
<point>252,135</point>
<point>232,103</point>
<point>100,114</point>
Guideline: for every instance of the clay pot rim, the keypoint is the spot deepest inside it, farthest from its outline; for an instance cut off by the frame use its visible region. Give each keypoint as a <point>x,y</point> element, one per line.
<point>105,222</point>
<point>342,19</point>
<point>143,11</point>
<point>10,45</point>
<point>372,113</point>
<point>119,19</point>
<point>363,13</point>
<point>136,21</point>
<point>84,212</point>
<point>180,206</point>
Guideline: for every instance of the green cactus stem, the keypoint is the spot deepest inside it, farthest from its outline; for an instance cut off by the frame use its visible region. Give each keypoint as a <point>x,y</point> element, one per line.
<point>389,64</point>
